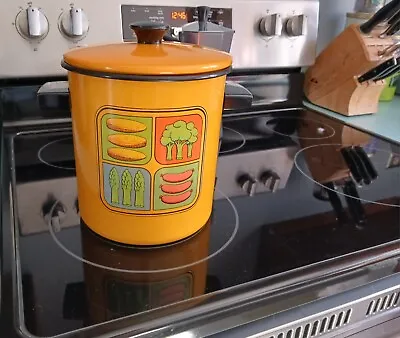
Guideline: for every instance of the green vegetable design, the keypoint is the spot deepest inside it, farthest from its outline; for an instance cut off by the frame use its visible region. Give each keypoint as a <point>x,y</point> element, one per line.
<point>139,189</point>
<point>114,184</point>
<point>126,183</point>
<point>179,134</point>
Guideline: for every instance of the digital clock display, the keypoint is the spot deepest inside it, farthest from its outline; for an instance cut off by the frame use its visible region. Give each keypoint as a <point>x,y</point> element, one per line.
<point>178,15</point>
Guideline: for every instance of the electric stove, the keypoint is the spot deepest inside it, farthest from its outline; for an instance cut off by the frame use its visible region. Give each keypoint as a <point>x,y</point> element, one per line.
<point>282,209</point>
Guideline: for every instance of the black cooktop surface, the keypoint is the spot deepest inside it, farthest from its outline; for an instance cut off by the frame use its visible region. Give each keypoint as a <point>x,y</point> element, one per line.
<point>341,195</point>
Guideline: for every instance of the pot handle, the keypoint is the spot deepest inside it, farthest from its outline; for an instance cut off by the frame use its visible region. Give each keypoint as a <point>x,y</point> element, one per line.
<point>150,33</point>
<point>237,97</point>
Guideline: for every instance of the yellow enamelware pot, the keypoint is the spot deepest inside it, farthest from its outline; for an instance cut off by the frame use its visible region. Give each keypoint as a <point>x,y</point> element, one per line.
<point>146,121</point>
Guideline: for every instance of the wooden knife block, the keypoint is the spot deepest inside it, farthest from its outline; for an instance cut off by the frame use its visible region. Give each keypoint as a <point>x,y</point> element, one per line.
<point>332,81</point>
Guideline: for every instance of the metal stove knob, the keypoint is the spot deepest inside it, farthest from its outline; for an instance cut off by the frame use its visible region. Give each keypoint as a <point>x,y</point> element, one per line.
<point>54,213</point>
<point>73,24</point>
<point>271,25</point>
<point>32,24</point>
<point>297,25</point>
<point>248,184</point>
<point>271,180</point>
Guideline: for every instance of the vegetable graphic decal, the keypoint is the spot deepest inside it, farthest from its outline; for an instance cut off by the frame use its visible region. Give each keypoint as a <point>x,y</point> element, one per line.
<point>139,189</point>
<point>114,184</point>
<point>126,183</point>
<point>179,134</point>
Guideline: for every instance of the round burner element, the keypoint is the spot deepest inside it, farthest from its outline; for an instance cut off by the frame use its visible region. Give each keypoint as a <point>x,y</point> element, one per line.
<point>289,125</point>
<point>322,162</point>
<point>100,253</point>
<point>237,141</point>
<point>58,152</point>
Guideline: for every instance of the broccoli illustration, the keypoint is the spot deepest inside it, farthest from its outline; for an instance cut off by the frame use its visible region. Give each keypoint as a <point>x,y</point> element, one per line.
<point>139,189</point>
<point>179,134</point>
<point>114,185</point>
<point>126,183</point>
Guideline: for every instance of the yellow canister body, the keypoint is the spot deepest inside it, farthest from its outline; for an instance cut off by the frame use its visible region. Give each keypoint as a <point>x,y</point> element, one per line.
<point>146,155</point>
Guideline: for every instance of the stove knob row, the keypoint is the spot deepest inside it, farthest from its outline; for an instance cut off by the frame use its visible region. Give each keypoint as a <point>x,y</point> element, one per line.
<point>272,25</point>
<point>32,24</point>
<point>269,179</point>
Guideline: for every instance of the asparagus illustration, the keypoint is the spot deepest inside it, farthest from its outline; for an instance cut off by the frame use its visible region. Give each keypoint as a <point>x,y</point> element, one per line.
<point>139,186</point>
<point>126,183</point>
<point>114,185</point>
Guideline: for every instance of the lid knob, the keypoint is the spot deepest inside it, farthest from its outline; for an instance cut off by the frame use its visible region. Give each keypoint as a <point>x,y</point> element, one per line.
<point>149,32</point>
<point>202,13</point>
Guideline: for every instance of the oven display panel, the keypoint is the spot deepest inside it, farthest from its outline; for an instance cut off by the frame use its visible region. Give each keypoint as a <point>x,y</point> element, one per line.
<point>173,16</point>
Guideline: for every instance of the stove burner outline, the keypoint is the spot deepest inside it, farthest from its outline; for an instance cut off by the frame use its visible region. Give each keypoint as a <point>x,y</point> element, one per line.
<point>40,151</point>
<point>223,247</point>
<point>333,132</point>
<point>239,146</point>
<point>337,191</point>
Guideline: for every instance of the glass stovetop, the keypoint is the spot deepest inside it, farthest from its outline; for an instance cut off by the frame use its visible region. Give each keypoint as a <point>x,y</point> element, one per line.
<point>69,278</point>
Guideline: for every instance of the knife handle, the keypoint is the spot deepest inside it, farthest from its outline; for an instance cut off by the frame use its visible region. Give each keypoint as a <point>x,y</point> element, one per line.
<point>336,203</point>
<point>380,16</point>
<point>367,162</point>
<point>355,206</point>
<point>351,164</point>
<point>361,167</point>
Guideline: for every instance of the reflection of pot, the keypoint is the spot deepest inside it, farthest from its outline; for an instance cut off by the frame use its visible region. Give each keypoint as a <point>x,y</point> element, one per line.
<point>112,294</point>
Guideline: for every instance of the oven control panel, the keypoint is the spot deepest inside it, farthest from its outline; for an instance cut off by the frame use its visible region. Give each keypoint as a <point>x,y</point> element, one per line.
<point>172,16</point>
<point>268,33</point>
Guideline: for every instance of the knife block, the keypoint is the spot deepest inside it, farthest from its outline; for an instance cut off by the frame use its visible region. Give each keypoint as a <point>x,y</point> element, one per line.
<point>332,81</point>
<point>326,163</point>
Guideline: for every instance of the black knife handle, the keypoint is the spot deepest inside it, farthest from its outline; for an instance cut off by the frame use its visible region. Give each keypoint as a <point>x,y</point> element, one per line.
<point>393,16</point>
<point>378,70</point>
<point>367,162</point>
<point>351,164</point>
<point>361,167</point>
<point>336,203</point>
<point>393,28</point>
<point>380,16</point>
<point>355,206</point>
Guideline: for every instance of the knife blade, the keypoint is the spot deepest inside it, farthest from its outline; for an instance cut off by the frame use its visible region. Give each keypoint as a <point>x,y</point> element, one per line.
<point>354,204</point>
<point>336,203</point>
<point>367,162</point>
<point>380,16</point>
<point>378,70</point>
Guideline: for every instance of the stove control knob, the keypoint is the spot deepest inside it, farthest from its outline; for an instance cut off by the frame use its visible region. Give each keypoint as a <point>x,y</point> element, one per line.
<point>54,213</point>
<point>271,180</point>
<point>297,25</point>
<point>73,24</point>
<point>271,25</point>
<point>248,184</point>
<point>32,24</point>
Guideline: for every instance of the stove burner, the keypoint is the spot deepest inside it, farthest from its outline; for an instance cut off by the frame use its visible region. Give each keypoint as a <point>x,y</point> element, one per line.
<point>221,248</point>
<point>288,125</point>
<point>365,191</point>
<point>48,154</point>
<point>236,145</point>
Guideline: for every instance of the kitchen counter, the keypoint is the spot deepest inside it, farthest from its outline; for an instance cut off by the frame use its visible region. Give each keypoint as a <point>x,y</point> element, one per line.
<point>385,123</point>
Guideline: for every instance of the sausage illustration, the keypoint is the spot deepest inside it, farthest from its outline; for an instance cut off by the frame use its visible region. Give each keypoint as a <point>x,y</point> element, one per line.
<point>175,199</point>
<point>177,178</point>
<point>176,188</point>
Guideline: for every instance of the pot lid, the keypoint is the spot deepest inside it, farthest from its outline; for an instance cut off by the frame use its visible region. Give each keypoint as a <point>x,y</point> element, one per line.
<point>148,57</point>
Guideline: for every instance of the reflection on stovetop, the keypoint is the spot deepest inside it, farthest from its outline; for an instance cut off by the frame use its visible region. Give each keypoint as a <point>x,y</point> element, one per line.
<point>72,278</point>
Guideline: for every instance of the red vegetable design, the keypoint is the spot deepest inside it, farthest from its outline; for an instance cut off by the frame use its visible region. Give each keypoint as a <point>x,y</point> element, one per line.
<point>176,188</point>
<point>175,199</point>
<point>177,178</point>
